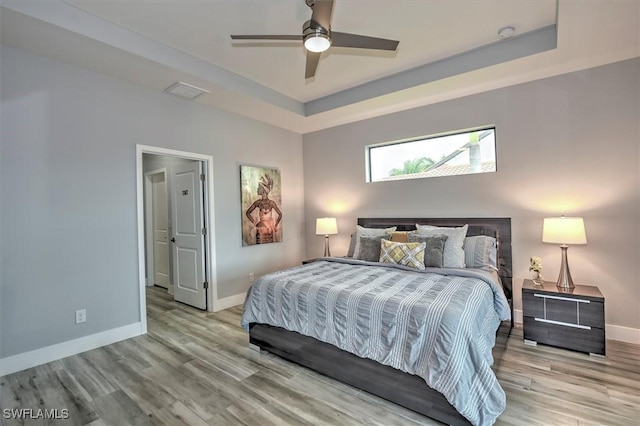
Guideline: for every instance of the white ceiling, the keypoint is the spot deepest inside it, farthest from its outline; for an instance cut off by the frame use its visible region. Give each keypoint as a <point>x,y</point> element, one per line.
<point>427,30</point>
<point>447,49</point>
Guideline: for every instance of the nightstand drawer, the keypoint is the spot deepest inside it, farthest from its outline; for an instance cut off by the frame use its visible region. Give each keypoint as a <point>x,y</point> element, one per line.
<point>563,309</point>
<point>583,340</point>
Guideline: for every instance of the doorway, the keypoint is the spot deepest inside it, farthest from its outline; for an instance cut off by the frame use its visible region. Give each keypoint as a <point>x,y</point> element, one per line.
<point>183,233</point>
<point>156,211</point>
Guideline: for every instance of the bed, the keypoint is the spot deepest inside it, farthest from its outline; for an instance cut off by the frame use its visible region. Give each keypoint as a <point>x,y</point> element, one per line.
<point>409,351</point>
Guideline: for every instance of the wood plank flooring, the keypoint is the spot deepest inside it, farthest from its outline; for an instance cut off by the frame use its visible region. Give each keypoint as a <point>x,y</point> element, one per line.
<point>195,368</point>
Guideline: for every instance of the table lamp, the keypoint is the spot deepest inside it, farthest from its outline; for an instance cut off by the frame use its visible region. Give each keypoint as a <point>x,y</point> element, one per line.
<point>564,231</point>
<point>326,226</point>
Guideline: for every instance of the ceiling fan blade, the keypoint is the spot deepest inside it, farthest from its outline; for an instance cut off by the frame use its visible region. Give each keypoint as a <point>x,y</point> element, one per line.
<point>322,10</point>
<point>312,63</point>
<point>266,37</point>
<point>362,42</point>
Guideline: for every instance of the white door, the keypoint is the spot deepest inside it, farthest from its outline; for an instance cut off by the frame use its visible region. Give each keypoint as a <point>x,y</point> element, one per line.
<point>188,236</point>
<point>160,226</point>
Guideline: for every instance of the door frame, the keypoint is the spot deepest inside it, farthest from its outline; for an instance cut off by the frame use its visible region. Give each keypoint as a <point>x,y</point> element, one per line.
<point>149,209</point>
<point>210,255</point>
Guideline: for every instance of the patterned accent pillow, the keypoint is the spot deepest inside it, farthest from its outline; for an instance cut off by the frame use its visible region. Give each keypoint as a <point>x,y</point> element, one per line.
<point>370,248</point>
<point>453,251</point>
<point>407,254</point>
<point>434,251</point>
<point>361,231</point>
<point>480,252</point>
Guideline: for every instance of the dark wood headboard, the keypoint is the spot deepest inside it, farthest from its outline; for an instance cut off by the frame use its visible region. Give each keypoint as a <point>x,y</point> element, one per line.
<point>499,228</point>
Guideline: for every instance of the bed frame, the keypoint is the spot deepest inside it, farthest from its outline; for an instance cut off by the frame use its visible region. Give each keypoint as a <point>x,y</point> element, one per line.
<point>402,388</point>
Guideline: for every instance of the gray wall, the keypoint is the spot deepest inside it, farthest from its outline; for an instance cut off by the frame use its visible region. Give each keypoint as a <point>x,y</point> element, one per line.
<point>67,185</point>
<point>565,145</point>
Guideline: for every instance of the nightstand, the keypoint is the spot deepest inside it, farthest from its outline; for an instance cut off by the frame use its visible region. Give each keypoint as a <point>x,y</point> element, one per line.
<point>571,319</point>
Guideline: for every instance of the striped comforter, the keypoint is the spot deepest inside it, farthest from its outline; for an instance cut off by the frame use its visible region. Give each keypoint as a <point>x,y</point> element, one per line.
<point>438,324</point>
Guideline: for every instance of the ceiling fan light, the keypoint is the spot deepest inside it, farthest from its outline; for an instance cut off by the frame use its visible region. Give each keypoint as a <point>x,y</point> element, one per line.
<point>317,42</point>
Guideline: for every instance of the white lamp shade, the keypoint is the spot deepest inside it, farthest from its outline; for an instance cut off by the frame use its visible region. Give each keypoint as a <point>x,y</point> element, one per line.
<point>326,226</point>
<point>564,230</point>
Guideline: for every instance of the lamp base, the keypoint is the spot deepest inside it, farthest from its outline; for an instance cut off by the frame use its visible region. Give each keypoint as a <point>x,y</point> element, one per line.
<point>327,252</point>
<point>564,278</point>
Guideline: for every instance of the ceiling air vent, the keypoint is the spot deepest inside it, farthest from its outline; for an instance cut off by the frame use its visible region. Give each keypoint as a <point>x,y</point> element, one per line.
<point>185,90</point>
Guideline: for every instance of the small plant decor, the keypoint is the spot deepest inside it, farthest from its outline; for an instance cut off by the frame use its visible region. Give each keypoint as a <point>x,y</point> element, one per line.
<point>535,266</point>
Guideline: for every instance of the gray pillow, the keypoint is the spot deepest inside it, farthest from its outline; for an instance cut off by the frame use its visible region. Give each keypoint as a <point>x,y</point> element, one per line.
<point>370,248</point>
<point>352,245</point>
<point>434,251</point>
<point>480,252</point>
<point>361,231</point>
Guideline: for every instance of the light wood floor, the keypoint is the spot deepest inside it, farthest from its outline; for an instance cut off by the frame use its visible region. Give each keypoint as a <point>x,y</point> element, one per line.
<point>196,368</point>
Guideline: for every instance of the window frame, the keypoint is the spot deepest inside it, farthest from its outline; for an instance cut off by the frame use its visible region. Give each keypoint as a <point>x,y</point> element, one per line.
<point>368,148</point>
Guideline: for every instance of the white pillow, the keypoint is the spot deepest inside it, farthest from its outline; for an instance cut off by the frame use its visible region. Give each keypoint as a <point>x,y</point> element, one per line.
<point>453,256</point>
<point>361,231</point>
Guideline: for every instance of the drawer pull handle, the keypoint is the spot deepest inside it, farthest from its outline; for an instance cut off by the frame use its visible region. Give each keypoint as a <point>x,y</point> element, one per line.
<point>568,324</point>
<point>545,296</point>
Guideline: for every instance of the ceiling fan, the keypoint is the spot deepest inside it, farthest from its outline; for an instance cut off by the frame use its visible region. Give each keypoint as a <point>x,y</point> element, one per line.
<point>318,37</point>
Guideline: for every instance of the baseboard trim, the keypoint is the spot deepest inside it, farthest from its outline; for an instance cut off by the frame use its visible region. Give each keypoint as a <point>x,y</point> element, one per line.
<point>58,351</point>
<point>613,332</point>
<point>517,316</point>
<point>623,334</point>
<point>229,302</point>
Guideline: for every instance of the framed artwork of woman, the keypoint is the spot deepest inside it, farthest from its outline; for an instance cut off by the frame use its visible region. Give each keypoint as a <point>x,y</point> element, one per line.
<point>261,201</point>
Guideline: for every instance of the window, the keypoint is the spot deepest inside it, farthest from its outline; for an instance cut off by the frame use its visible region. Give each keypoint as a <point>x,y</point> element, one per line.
<point>459,153</point>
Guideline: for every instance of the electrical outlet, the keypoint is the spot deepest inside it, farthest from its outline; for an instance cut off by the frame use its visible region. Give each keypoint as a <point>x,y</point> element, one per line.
<point>81,316</point>
<point>251,277</point>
